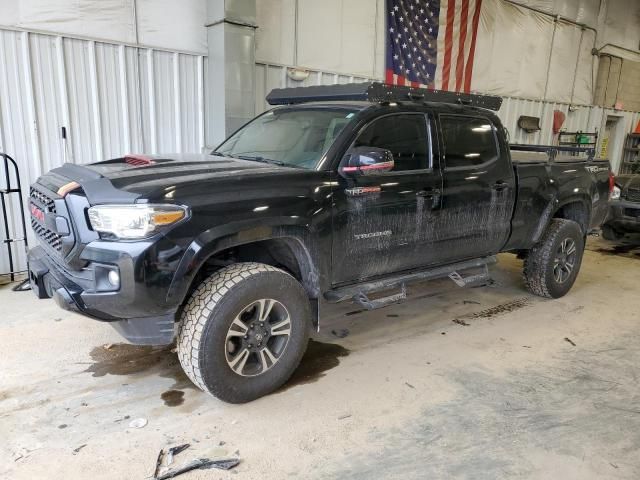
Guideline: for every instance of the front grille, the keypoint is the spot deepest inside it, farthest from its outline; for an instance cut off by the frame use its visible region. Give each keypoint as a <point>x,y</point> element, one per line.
<point>48,206</point>
<point>47,203</point>
<point>632,195</point>
<point>50,238</point>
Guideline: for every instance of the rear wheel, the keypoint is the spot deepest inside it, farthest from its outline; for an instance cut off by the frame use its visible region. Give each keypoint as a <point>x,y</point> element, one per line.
<point>551,267</point>
<point>243,331</point>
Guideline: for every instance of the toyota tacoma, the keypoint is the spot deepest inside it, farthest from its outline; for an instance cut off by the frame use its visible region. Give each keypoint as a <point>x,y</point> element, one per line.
<point>344,192</point>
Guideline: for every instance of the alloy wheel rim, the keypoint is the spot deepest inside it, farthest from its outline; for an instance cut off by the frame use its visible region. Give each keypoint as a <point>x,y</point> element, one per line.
<point>257,337</point>
<point>565,260</point>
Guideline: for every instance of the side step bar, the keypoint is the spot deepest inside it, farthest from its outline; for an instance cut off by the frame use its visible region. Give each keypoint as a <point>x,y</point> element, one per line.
<point>358,293</point>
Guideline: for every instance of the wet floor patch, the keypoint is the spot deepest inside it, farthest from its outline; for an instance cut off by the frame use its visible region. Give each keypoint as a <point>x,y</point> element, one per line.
<point>625,250</point>
<point>173,398</point>
<point>126,359</point>
<point>318,358</point>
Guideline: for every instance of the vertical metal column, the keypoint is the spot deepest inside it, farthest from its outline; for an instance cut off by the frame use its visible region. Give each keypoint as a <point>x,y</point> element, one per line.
<point>230,67</point>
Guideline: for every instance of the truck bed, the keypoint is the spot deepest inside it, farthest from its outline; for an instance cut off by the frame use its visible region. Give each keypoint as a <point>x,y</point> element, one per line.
<point>547,177</point>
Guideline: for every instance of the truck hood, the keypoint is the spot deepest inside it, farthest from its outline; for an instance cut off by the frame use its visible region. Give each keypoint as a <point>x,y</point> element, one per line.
<point>131,177</point>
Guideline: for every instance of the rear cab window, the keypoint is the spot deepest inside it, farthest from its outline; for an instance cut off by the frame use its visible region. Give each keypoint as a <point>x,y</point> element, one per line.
<point>468,141</point>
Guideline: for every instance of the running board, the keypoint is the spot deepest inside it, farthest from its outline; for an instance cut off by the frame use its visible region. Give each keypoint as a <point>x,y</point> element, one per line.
<point>364,301</point>
<point>474,280</point>
<point>358,292</point>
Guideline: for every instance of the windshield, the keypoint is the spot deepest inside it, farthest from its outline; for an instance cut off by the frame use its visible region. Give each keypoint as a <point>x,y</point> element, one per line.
<point>296,137</point>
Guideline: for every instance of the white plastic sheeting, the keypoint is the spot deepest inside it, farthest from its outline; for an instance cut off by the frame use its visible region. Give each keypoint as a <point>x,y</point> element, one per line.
<point>527,54</point>
<point>345,36</point>
<point>580,11</point>
<point>157,23</point>
<point>112,99</point>
<point>621,28</point>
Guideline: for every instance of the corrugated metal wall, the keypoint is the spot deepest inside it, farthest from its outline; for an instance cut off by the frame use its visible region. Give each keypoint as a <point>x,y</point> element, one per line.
<point>112,99</point>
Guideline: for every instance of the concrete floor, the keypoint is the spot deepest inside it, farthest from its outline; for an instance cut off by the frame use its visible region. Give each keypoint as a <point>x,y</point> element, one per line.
<point>479,383</point>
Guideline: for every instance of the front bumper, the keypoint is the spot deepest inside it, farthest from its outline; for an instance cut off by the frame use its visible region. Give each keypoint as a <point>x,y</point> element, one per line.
<point>624,216</point>
<point>134,310</point>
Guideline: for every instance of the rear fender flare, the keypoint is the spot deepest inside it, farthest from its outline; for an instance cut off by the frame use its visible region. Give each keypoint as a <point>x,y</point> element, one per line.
<point>554,206</point>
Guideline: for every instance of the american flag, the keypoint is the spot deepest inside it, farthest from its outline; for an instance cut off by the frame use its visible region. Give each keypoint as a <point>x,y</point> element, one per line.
<point>431,43</point>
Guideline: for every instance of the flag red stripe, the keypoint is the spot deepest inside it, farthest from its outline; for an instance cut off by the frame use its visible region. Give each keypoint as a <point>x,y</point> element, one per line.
<point>400,80</point>
<point>448,44</point>
<point>472,49</point>
<point>464,14</point>
<point>389,76</point>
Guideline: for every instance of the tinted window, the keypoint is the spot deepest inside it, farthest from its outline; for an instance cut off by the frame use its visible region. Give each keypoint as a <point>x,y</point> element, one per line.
<point>404,135</point>
<point>468,141</point>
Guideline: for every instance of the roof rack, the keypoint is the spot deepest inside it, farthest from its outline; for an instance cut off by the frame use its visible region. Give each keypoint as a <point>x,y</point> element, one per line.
<point>377,92</point>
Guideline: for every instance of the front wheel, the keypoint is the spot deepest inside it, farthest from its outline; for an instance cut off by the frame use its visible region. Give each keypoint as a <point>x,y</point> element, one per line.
<point>551,267</point>
<point>243,331</point>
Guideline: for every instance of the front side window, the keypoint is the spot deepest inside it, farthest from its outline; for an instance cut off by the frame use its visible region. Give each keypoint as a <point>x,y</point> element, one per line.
<point>468,141</point>
<point>405,136</point>
<point>297,137</point>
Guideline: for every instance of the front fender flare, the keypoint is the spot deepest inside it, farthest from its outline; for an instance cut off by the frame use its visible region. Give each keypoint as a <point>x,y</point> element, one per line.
<point>217,239</point>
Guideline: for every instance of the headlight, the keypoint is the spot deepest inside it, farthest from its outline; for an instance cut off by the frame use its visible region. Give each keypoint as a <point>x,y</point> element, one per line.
<point>130,222</point>
<point>615,193</point>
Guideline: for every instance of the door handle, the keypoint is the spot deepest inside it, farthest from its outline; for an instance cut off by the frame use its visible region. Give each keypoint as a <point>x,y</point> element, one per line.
<point>500,185</point>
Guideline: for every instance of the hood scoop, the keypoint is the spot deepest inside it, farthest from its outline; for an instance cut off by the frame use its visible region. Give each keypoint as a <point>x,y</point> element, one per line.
<point>138,160</point>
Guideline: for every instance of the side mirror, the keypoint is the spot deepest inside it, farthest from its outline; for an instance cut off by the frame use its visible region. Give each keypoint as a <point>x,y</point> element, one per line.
<point>367,161</point>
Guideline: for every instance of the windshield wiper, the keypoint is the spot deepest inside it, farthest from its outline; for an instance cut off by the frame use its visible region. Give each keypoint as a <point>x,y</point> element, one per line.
<point>260,159</point>
<point>220,154</point>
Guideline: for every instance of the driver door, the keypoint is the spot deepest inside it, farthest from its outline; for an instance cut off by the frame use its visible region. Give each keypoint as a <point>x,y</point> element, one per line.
<point>384,222</point>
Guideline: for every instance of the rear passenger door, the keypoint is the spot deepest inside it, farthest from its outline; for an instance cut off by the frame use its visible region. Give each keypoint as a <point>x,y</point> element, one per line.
<point>479,187</point>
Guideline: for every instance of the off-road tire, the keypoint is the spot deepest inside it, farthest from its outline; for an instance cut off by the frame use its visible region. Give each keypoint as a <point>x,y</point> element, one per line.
<point>609,233</point>
<point>539,262</point>
<point>208,315</point>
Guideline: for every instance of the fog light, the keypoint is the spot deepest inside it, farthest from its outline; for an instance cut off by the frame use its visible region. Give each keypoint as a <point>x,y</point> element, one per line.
<point>114,278</point>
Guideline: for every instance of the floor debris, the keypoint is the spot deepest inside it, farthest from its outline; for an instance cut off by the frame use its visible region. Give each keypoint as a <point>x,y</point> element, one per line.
<point>200,463</point>
<point>409,385</point>
<point>138,423</point>
<point>170,453</point>
<point>459,321</point>
<point>343,417</point>
<point>77,449</point>
<point>341,333</point>
<point>158,463</point>
<point>567,339</point>
<point>175,451</point>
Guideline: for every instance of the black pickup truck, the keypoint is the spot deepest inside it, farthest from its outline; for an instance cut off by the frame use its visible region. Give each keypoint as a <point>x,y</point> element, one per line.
<point>624,208</point>
<point>338,193</point>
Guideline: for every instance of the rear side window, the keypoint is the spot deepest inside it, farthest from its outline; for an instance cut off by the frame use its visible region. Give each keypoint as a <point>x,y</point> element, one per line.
<point>405,135</point>
<point>468,141</point>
